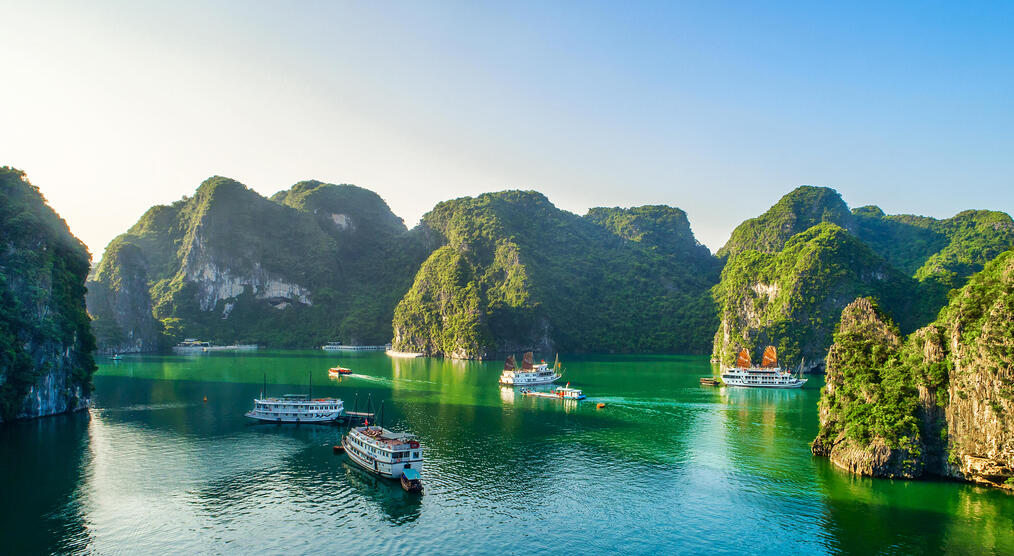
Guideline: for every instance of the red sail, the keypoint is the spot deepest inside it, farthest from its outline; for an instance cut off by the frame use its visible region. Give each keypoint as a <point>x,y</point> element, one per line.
<point>508,365</point>
<point>526,363</point>
<point>770,357</point>
<point>743,361</point>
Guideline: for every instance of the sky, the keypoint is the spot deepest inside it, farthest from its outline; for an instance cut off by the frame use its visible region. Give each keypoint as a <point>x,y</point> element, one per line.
<point>718,108</point>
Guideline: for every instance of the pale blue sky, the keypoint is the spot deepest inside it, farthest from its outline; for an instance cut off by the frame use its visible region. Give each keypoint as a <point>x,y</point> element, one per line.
<point>718,108</point>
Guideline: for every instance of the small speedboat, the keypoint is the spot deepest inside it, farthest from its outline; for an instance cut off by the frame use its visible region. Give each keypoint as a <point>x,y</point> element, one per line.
<point>338,371</point>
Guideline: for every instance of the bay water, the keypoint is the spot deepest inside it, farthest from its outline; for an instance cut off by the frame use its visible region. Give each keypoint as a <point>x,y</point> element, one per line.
<point>165,462</point>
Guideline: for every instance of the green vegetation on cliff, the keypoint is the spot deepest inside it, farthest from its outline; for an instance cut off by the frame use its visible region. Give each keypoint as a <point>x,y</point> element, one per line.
<point>514,272</point>
<point>805,207</point>
<point>941,399</point>
<point>315,263</point>
<point>868,403</point>
<point>44,328</point>
<point>773,290</point>
<point>792,299</point>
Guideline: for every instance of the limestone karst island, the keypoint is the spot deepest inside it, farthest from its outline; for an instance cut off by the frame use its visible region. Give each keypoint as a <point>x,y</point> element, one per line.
<point>506,278</point>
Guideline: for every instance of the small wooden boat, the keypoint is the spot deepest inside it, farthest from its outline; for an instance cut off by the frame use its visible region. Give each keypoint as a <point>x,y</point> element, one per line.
<point>710,381</point>
<point>411,481</point>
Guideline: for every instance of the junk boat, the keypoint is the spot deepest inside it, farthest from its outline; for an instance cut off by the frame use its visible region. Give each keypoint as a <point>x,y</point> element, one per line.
<point>338,371</point>
<point>529,374</point>
<point>392,455</point>
<point>768,375</point>
<point>562,392</point>
<point>295,408</point>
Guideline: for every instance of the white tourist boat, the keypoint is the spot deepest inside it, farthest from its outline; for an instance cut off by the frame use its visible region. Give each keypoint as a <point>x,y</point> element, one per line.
<point>296,408</point>
<point>561,392</point>
<point>768,375</point>
<point>394,455</point>
<point>191,345</point>
<point>338,346</point>
<point>529,374</point>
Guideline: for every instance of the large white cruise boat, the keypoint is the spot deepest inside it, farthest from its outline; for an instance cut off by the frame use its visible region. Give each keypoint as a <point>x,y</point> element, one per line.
<point>529,374</point>
<point>296,408</point>
<point>394,455</point>
<point>768,375</point>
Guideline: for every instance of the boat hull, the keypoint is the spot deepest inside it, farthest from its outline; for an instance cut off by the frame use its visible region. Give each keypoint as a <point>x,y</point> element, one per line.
<point>787,386</point>
<point>529,382</point>
<point>304,420</point>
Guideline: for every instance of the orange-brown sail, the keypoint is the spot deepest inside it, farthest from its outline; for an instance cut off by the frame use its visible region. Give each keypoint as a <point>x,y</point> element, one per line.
<point>508,365</point>
<point>526,363</point>
<point>770,357</point>
<point>743,361</point>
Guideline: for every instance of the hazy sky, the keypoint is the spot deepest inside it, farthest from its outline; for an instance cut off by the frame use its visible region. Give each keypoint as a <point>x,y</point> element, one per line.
<point>717,108</point>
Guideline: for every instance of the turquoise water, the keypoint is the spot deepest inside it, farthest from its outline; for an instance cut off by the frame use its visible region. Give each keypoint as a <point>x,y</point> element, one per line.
<point>667,465</point>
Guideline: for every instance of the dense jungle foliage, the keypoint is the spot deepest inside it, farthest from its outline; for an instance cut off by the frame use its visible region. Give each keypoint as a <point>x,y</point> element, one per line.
<point>515,272</point>
<point>43,321</point>
<point>318,262</point>
<point>909,263</point>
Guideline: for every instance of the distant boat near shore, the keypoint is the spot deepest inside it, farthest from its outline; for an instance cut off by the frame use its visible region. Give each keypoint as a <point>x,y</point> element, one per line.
<point>193,345</point>
<point>404,354</point>
<point>338,346</point>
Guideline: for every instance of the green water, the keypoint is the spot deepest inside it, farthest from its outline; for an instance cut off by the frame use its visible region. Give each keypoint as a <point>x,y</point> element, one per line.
<point>666,466</point>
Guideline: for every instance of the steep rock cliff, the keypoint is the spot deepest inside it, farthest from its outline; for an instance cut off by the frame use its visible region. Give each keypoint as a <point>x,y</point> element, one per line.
<point>954,381</point>
<point>907,262</point>
<point>793,298</point>
<point>867,407</point>
<point>314,263</point>
<point>512,272</point>
<point>45,340</point>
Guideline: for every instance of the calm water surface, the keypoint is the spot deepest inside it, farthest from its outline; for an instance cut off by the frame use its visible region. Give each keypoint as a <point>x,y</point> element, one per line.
<point>667,465</point>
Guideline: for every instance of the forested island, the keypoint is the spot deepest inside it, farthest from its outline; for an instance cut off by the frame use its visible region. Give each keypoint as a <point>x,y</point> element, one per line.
<point>914,315</point>
<point>483,276</point>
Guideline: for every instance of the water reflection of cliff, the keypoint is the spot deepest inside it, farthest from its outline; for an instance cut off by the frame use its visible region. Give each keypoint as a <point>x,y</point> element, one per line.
<point>43,468</point>
<point>865,515</point>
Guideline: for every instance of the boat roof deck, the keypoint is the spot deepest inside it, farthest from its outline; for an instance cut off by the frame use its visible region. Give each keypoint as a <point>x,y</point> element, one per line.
<point>381,434</point>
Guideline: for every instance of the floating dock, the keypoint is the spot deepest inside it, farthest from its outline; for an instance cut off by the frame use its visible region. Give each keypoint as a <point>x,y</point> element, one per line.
<point>355,417</point>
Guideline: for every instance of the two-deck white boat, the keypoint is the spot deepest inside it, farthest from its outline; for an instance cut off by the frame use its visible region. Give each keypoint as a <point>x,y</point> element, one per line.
<point>768,375</point>
<point>393,455</point>
<point>529,374</point>
<point>296,408</point>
